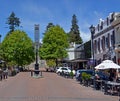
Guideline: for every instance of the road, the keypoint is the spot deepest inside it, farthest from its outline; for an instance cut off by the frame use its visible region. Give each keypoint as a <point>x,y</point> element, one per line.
<point>50,87</point>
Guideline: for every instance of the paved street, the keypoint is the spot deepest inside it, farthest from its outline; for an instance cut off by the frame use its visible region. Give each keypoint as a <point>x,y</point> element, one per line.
<point>49,88</point>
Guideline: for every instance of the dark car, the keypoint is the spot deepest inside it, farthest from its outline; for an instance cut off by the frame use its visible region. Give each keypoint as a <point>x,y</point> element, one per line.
<point>79,73</point>
<point>102,75</point>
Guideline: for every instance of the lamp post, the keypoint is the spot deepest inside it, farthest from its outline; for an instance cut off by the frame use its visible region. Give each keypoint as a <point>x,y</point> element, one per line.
<point>92,30</point>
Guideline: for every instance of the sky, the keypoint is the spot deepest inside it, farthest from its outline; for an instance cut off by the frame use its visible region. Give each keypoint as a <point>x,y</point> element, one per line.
<point>59,12</point>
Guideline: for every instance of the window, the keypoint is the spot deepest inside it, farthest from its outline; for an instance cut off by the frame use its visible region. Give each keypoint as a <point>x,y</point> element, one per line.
<point>95,46</point>
<point>112,18</point>
<point>106,42</point>
<point>101,27</point>
<point>113,38</point>
<point>99,44</point>
<point>98,27</point>
<point>103,43</point>
<point>107,21</point>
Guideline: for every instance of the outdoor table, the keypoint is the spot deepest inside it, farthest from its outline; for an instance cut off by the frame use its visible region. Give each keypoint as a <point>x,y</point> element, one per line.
<point>111,84</point>
<point>98,84</point>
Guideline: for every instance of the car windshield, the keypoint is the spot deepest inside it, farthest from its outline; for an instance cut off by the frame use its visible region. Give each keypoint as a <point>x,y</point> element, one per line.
<point>64,68</point>
<point>87,71</point>
<point>102,75</point>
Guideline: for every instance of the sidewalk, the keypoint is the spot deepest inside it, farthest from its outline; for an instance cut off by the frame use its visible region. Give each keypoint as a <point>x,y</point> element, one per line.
<point>51,87</point>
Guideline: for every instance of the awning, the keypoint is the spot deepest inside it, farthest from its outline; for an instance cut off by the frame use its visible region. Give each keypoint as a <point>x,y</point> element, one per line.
<point>79,60</point>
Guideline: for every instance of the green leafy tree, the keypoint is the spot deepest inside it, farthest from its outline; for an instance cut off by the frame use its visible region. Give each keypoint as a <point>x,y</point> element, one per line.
<point>51,63</point>
<point>74,34</point>
<point>54,44</point>
<point>17,48</point>
<point>49,25</point>
<point>13,22</point>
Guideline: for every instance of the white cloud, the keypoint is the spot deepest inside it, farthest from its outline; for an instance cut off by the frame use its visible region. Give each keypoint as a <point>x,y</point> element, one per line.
<point>85,36</point>
<point>84,30</point>
<point>40,40</point>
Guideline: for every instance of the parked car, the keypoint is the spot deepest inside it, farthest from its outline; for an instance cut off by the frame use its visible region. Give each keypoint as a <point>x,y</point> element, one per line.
<point>102,75</point>
<point>65,70</point>
<point>79,73</point>
<point>50,69</point>
<point>56,69</point>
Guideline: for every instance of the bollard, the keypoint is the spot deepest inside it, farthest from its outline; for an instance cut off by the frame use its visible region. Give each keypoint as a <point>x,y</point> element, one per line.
<point>31,73</point>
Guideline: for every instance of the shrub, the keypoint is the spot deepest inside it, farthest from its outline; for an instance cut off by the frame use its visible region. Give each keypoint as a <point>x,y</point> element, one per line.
<point>86,76</point>
<point>71,74</point>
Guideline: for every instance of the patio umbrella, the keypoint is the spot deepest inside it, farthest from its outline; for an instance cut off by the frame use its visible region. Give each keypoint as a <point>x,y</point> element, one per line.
<point>107,64</point>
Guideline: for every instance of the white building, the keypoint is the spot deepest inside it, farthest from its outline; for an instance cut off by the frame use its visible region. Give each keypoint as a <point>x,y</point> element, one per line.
<point>116,25</point>
<point>75,51</point>
<point>106,40</point>
<point>76,56</point>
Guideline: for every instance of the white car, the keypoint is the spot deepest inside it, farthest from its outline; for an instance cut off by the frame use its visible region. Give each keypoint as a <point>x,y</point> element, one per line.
<point>63,70</point>
<point>57,68</point>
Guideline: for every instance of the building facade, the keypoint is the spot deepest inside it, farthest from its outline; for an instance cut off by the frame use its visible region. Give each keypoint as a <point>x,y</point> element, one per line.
<point>75,51</point>
<point>106,39</point>
<point>76,56</point>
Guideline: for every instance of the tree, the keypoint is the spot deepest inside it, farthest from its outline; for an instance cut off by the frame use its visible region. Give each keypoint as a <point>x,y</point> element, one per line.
<point>51,63</point>
<point>74,34</point>
<point>54,44</point>
<point>17,48</point>
<point>13,22</point>
<point>87,49</point>
<point>49,25</point>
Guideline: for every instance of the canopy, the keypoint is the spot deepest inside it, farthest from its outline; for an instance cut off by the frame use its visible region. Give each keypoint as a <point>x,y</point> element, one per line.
<point>107,64</point>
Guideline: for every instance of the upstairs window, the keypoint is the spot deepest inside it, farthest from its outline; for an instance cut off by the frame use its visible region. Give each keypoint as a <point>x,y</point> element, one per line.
<point>101,27</point>
<point>112,18</point>
<point>107,21</point>
<point>103,43</point>
<point>108,40</point>
<point>95,46</point>
<point>113,38</point>
<point>98,27</point>
<point>99,44</point>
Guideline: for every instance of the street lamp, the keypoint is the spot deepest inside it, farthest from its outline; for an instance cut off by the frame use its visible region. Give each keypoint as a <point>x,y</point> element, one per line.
<point>92,30</point>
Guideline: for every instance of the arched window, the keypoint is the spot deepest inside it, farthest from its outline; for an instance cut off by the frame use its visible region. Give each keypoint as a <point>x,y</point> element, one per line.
<point>103,43</point>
